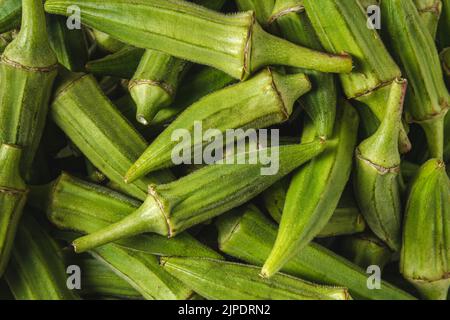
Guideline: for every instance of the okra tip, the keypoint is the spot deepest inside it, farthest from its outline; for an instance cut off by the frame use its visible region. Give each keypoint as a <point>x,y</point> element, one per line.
<point>149,100</point>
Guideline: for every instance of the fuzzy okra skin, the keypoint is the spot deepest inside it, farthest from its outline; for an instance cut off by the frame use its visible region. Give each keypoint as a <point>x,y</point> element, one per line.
<point>314,191</point>
<point>76,205</point>
<point>206,193</point>
<point>425,255</point>
<point>235,44</point>
<point>376,178</point>
<point>320,102</point>
<point>264,100</point>
<point>341,25</point>
<point>27,70</point>
<point>36,270</point>
<point>13,195</point>
<point>122,63</point>
<point>101,132</point>
<point>429,12</point>
<point>10,12</point>
<point>413,47</point>
<point>247,235</point>
<point>211,279</point>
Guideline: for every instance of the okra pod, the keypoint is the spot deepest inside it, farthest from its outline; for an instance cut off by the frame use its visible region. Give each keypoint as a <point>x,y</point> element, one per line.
<point>36,270</point>
<point>341,25</point>
<point>366,250</point>
<point>320,103</point>
<point>260,102</point>
<point>211,279</point>
<point>76,205</point>
<point>314,191</point>
<point>376,179</point>
<point>100,131</point>
<point>235,44</point>
<point>10,12</point>
<point>69,45</point>
<point>443,39</point>
<point>247,235</point>
<point>206,193</point>
<point>106,42</point>
<point>27,70</point>
<point>412,45</point>
<point>262,9</point>
<point>429,12</point>
<point>445,59</point>
<point>5,39</point>
<point>425,255</point>
<point>122,63</point>
<point>13,195</point>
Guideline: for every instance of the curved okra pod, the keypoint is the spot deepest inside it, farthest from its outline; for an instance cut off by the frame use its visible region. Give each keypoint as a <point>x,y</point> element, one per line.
<point>320,102</point>
<point>122,63</point>
<point>36,270</point>
<point>425,255</point>
<point>76,205</point>
<point>235,44</point>
<point>13,195</point>
<point>247,235</point>
<point>341,25</point>
<point>206,193</point>
<point>376,179</point>
<point>443,40</point>
<point>69,45</point>
<point>27,70</point>
<point>211,279</point>
<point>314,191</point>
<point>366,250</point>
<point>428,100</point>
<point>10,12</point>
<point>260,102</point>
<point>429,12</point>
<point>101,132</point>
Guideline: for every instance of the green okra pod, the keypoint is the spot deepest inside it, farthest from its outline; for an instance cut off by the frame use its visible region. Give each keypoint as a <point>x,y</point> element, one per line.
<point>100,131</point>
<point>320,103</point>
<point>264,100</point>
<point>122,63</point>
<point>376,178</point>
<point>69,45</point>
<point>413,47</point>
<point>13,195</point>
<point>5,39</point>
<point>235,44</point>
<point>443,39</point>
<point>262,9</point>
<point>211,279</point>
<point>36,270</point>
<point>206,193</point>
<point>314,191</point>
<point>247,235</point>
<point>366,250</point>
<point>425,255</point>
<point>76,205</point>
<point>10,12</point>
<point>429,12</point>
<point>106,42</point>
<point>341,25</point>
<point>27,70</point>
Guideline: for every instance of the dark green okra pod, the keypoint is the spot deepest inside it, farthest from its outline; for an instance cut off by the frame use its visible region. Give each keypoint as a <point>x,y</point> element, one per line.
<point>341,25</point>
<point>206,193</point>
<point>13,195</point>
<point>27,70</point>
<point>211,279</point>
<point>425,255</point>
<point>429,12</point>
<point>246,234</point>
<point>428,100</point>
<point>365,250</point>
<point>442,37</point>
<point>320,103</point>
<point>101,132</point>
<point>314,191</point>
<point>36,270</point>
<point>264,100</point>
<point>235,44</point>
<point>69,45</point>
<point>376,178</point>
<point>122,63</point>
<point>10,11</point>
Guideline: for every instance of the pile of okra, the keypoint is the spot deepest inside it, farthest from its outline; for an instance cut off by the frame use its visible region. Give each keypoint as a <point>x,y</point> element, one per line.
<point>221,149</point>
